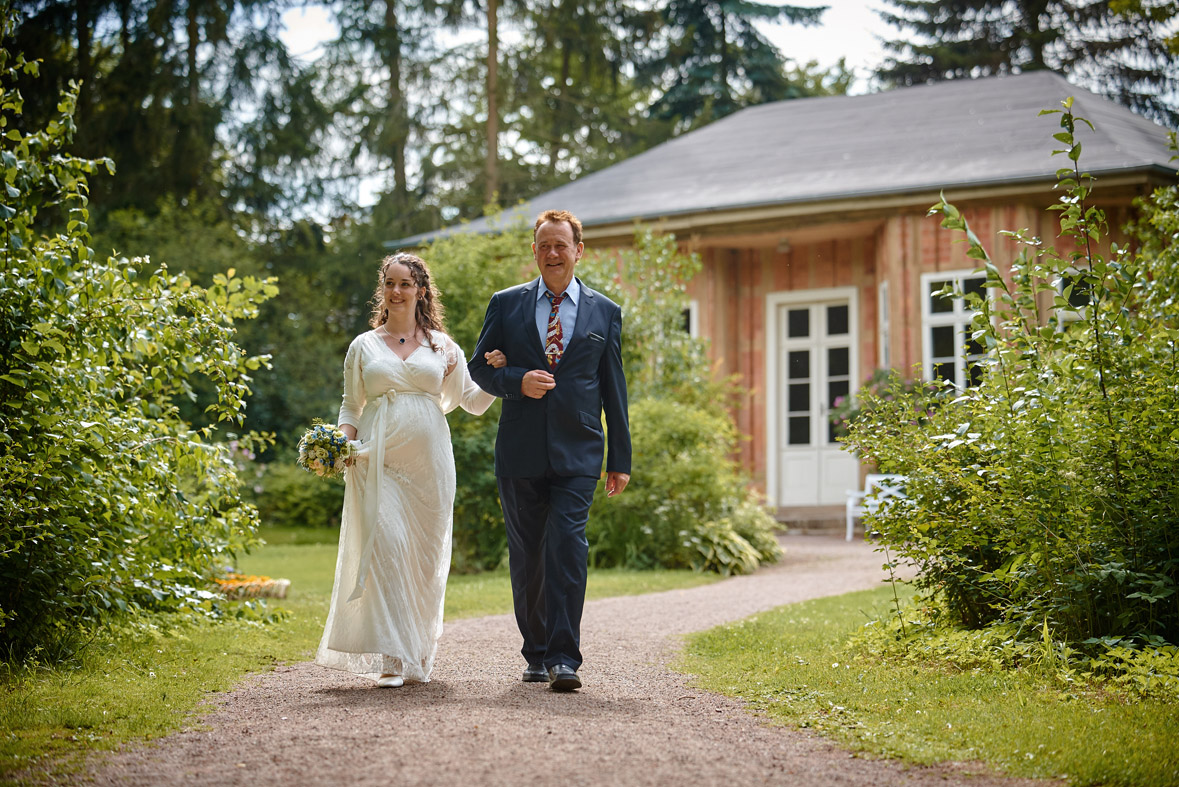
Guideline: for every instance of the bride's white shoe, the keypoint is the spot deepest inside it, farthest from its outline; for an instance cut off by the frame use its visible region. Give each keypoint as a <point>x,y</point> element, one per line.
<point>390,681</point>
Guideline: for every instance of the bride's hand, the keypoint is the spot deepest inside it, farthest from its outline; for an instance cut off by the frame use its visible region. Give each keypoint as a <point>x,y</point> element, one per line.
<point>496,359</point>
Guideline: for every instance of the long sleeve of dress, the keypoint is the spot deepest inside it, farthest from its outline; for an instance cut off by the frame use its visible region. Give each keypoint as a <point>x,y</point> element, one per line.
<point>458,389</point>
<point>353,401</point>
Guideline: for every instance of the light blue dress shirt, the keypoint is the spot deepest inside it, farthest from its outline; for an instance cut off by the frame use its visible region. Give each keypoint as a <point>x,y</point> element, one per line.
<point>568,310</point>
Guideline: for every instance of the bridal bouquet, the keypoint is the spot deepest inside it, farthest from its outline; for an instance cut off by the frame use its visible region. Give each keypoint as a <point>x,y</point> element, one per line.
<point>323,449</point>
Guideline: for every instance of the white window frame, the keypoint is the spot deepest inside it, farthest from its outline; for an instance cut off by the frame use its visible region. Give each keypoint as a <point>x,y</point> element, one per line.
<point>959,317</point>
<point>694,318</point>
<point>884,327</point>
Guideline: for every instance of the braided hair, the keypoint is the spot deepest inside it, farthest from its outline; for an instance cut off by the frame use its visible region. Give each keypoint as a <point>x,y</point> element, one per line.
<point>428,313</point>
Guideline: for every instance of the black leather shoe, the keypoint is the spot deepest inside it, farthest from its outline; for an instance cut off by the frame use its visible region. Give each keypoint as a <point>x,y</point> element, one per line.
<point>563,678</point>
<point>535,673</point>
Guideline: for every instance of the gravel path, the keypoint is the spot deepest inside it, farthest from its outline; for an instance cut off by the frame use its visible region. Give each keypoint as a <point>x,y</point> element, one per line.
<point>476,723</point>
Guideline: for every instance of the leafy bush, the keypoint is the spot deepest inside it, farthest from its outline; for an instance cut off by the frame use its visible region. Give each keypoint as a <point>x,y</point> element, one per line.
<point>288,496</point>
<point>660,358</point>
<point>883,384</point>
<point>109,501</point>
<point>1046,496</point>
<point>918,635</point>
<point>687,505</point>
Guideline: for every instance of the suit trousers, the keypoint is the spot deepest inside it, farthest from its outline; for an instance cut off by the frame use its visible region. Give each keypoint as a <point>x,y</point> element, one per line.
<point>547,553</point>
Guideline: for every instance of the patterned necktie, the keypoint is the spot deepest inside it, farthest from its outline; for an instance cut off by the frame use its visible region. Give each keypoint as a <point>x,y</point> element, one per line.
<point>554,340</point>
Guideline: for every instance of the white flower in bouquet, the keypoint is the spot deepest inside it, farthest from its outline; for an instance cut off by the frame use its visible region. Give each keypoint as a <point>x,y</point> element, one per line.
<point>323,450</point>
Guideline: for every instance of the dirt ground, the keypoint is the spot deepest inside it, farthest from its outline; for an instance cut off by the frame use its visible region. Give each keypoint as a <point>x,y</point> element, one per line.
<point>634,723</point>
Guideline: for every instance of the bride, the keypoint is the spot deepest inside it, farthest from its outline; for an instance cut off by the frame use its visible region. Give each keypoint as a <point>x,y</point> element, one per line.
<point>399,380</point>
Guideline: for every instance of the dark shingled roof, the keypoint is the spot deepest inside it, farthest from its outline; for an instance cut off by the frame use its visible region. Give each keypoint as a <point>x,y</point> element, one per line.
<point>965,133</point>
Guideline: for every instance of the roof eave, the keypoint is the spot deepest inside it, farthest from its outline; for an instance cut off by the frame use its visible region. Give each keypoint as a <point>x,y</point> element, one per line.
<point>862,202</point>
<point>696,219</point>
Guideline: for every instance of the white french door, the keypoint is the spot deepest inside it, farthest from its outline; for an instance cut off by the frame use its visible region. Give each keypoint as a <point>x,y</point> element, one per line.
<point>812,360</point>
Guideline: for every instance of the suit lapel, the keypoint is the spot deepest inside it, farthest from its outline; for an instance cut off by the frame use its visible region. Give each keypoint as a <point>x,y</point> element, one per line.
<point>585,307</point>
<point>528,318</point>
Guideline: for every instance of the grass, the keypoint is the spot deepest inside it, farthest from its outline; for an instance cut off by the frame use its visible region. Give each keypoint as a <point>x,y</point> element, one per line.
<point>310,555</point>
<point>146,681</point>
<point>791,665</point>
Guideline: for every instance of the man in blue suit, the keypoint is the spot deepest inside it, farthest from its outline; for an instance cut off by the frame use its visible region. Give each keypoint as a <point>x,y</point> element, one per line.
<point>563,343</point>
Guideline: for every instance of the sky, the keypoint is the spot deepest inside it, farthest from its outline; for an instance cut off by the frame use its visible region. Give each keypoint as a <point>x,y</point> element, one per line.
<point>849,30</point>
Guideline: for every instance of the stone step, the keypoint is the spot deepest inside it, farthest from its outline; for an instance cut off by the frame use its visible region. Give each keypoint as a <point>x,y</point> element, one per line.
<point>817,520</point>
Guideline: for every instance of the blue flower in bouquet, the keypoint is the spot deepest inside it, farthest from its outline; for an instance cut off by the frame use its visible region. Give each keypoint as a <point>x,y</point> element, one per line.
<point>323,450</point>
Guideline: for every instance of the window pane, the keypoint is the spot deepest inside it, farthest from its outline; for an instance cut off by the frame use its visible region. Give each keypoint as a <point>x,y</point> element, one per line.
<point>800,398</point>
<point>836,389</point>
<point>974,284</point>
<point>943,341</point>
<point>838,361</point>
<point>937,304</point>
<point>973,348</point>
<point>837,320</point>
<point>975,373</point>
<point>798,323</point>
<point>800,430</point>
<point>799,364</point>
<point>944,371</point>
<point>687,323</point>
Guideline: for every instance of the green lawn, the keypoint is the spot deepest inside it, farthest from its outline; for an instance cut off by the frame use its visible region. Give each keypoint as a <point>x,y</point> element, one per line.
<point>142,683</point>
<point>309,557</point>
<point>790,664</point>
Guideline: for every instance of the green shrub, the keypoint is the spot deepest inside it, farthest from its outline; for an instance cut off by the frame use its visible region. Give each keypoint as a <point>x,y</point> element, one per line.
<point>480,540</point>
<point>752,522</point>
<point>288,496</point>
<point>918,635</point>
<point>109,501</point>
<point>687,505</point>
<point>1046,496</point>
<point>660,358</point>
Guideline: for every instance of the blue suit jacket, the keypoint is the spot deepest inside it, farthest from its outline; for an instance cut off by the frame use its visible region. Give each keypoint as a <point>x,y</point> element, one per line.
<point>563,429</point>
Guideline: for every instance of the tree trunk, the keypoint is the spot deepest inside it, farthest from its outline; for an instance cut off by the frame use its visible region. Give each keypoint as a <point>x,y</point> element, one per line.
<point>194,40</point>
<point>125,24</point>
<point>491,194</point>
<point>398,128</point>
<point>1037,36</point>
<point>559,108</point>
<point>724,56</point>
<point>85,61</point>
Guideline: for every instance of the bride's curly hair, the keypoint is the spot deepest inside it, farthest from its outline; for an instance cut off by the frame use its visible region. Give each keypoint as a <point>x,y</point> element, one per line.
<point>429,312</point>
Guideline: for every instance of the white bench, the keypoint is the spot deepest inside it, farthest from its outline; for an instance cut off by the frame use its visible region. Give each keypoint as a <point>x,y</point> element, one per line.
<point>878,488</point>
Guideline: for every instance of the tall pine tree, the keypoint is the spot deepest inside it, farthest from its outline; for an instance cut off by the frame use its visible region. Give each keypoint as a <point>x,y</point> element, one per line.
<point>710,59</point>
<point>1118,49</point>
<point>190,99</point>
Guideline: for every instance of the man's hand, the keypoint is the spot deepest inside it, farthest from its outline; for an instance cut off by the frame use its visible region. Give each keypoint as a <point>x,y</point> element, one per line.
<point>537,383</point>
<point>616,482</point>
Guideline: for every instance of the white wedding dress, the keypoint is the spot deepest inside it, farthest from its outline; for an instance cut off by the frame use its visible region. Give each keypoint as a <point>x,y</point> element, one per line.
<point>386,607</point>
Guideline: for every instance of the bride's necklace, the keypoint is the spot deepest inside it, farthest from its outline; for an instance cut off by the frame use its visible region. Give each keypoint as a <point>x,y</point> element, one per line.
<point>400,339</point>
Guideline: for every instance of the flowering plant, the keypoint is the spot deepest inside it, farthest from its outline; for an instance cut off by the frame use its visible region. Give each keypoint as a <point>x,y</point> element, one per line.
<point>884,385</point>
<point>323,450</point>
